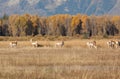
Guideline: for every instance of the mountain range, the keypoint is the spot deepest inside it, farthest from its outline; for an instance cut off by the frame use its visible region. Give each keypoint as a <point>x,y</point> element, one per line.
<point>51,7</point>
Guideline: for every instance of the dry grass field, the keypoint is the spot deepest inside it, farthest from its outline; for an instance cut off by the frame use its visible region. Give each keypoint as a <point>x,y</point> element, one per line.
<point>73,61</point>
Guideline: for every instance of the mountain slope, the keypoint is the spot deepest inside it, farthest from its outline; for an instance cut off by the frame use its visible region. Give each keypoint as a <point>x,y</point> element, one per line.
<point>116,9</point>
<point>50,7</point>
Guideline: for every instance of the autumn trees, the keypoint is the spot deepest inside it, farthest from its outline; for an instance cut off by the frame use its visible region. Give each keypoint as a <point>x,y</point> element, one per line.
<point>101,25</point>
<point>59,25</point>
<point>4,28</point>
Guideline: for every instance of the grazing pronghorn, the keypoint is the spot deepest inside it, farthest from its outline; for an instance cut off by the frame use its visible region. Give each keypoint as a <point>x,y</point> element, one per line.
<point>13,44</point>
<point>34,43</point>
<point>59,44</point>
<point>92,44</point>
<point>111,44</point>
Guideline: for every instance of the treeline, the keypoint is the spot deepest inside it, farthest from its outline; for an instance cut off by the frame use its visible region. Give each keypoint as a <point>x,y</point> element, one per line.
<point>59,25</point>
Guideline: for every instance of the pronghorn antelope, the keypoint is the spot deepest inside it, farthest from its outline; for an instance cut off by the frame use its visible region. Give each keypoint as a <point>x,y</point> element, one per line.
<point>34,43</point>
<point>13,44</point>
<point>92,44</point>
<point>111,44</point>
<point>59,44</point>
<point>117,44</point>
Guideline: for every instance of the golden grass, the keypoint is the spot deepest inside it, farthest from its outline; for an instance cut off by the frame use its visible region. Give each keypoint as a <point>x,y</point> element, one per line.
<point>73,61</point>
<point>59,63</point>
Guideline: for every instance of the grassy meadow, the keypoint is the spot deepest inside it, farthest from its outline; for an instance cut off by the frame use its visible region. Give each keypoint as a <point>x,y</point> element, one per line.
<point>73,61</point>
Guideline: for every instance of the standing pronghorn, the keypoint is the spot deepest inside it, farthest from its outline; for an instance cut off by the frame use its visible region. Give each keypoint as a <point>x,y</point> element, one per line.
<point>117,44</point>
<point>13,44</point>
<point>34,43</point>
<point>111,44</point>
<point>59,44</point>
<point>92,44</point>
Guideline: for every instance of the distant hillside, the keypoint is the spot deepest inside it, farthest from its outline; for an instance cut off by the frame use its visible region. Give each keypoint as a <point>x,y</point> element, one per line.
<point>50,7</point>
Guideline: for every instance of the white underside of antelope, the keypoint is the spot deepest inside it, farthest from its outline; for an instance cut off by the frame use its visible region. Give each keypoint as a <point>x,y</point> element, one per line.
<point>13,44</point>
<point>111,44</point>
<point>91,45</point>
<point>35,44</point>
<point>60,44</point>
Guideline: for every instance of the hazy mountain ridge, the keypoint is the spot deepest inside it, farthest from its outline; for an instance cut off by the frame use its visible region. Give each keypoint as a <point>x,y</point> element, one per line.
<point>50,7</point>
